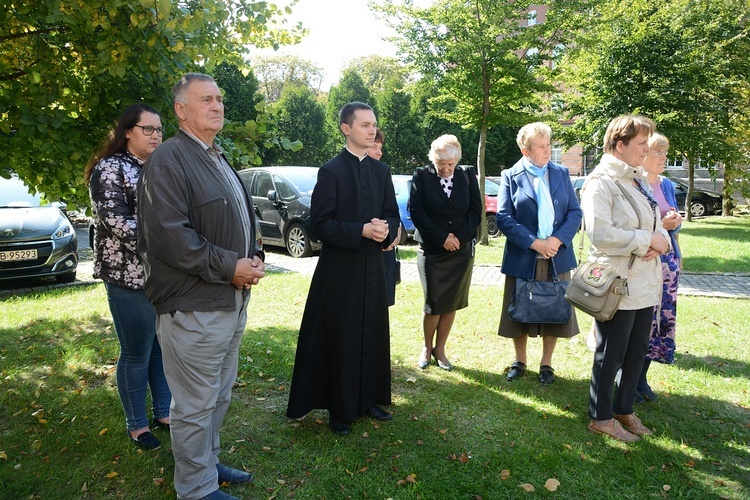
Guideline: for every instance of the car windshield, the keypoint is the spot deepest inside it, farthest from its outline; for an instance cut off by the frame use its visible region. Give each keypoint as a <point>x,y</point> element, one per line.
<point>302,179</point>
<point>491,187</point>
<point>401,184</point>
<point>14,193</point>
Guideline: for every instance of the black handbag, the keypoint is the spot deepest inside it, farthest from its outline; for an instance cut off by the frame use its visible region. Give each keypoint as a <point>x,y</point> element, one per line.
<point>540,301</point>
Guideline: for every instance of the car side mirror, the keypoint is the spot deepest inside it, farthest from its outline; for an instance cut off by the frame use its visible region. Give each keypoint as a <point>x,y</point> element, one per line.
<point>272,196</point>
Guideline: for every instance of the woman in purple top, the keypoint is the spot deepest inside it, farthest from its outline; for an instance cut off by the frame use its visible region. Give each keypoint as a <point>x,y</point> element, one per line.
<point>662,343</point>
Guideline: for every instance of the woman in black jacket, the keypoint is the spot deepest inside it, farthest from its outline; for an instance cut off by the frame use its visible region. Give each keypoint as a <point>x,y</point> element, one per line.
<point>446,209</point>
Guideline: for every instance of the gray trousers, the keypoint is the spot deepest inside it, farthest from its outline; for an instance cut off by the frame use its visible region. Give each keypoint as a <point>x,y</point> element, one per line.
<point>200,352</point>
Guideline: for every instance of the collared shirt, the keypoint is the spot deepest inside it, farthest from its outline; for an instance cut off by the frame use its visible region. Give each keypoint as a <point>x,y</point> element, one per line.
<point>361,157</point>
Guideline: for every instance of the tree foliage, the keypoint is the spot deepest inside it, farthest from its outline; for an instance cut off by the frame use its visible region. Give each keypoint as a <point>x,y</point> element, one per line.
<point>68,68</point>
<point>683,63</point>
<point>301,117</point>
<point>276,72</point>
<point>485,59</point>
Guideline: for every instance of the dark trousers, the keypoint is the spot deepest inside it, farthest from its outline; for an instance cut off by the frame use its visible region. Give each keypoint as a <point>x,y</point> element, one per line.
<point>621,343</point>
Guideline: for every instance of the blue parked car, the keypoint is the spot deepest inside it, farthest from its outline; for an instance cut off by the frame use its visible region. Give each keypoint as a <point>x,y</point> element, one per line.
<point>402,187</point>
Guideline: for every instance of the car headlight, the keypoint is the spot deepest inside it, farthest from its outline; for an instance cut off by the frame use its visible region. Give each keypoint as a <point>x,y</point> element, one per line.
<point>65,229</point>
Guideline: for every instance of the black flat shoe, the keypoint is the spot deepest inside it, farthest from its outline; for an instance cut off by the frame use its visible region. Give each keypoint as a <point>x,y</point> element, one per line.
<point>339,426</point>
<point>546,375</point>
<point>378,414</point>
<point>232,476</point>
<point>145,441</point>
<point>516,371</point>
<point>156,424</point>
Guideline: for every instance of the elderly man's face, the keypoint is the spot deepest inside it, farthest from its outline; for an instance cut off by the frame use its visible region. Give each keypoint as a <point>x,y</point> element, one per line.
<point>202,113</point>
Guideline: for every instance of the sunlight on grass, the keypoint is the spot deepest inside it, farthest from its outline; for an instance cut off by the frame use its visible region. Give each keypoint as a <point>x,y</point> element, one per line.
<point>457,432</point>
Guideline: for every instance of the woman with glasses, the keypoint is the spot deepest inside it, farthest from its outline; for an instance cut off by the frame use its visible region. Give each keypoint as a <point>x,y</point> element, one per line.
<point>662,346</point>
<point>112,176</point>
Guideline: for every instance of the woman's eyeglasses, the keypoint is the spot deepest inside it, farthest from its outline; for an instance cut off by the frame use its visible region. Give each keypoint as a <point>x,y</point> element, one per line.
<point>149,130</point>
<point>659,153</point>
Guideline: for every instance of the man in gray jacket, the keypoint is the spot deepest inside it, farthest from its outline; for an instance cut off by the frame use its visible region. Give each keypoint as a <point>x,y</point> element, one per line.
<point>200,257</point>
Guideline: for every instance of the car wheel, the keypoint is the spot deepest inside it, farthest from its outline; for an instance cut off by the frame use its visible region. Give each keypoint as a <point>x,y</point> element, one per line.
<point>697,208</point>
<point>298,241</point>
<point>404,236</point>
<point>492,230</point>
<point>66,278</point>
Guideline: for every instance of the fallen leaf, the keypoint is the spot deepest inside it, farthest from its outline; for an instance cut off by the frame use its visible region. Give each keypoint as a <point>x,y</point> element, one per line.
<point>365,435</point>
<point>504,474</point>
<point>112,474</point>
<point>568,446</point>
<point>463,458</point>
<point>527,487</point>
<point>266,448</point>
<point>103,431</point>
<point>411,478</point>
<point>552,484</point>
<point>363,469</point>
<point>39,413</point>
<point>232,450</point>
<point>158,481</point>
<point>42,421</point>
<point>281,481</point>
<point>412,380</point>
<point>17,467</point>
<point>3,455</point>
<point>443,431</point>
<point>690,463</point>
<point>666,487</point>
<point>85,487</point>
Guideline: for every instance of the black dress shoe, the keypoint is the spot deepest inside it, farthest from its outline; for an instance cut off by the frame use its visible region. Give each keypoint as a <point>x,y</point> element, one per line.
<point>157,424</point>
<point>516,371</point>
<point>378,414</point>
<point>339,426</point>
<point>546,375</point>
<point>145,441</point>
<point>219,495</point>
<point>232,476</point>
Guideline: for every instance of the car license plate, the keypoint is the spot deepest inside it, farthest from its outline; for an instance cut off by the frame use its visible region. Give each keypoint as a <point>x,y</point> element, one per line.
<point>18,255</point>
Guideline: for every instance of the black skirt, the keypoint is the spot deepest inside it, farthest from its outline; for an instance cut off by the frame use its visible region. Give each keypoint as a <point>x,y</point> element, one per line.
<point>446,278</point>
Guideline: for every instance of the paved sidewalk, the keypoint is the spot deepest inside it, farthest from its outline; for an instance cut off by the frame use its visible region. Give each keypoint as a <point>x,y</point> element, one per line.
<point>705,284</point>
<point>698,284</point>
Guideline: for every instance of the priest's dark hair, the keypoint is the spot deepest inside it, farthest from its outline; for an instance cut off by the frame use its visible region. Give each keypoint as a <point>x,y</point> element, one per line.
<point>346,115</point>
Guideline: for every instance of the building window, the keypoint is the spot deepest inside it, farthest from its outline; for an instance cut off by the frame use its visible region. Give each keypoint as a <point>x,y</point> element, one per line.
<point>532,18</point>
<point>556,155</point>
<point>674,162</point>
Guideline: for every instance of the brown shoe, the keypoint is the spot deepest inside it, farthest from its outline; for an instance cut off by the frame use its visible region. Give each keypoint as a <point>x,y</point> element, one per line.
<point>613,429</point>
<point>634,424</point>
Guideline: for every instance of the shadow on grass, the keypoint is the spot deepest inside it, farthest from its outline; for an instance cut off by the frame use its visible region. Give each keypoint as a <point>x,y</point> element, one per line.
<point>461,434</point>
<point>719,366</point>
<point>457,432</point>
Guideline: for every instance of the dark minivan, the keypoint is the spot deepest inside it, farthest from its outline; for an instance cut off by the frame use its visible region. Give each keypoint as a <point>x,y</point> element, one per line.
<point>281,200</point>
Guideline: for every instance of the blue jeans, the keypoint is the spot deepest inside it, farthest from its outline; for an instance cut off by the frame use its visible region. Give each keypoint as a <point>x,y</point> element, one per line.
<point>140,363</point>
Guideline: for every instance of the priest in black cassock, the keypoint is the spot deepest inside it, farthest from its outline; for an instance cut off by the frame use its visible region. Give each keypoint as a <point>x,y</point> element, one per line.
<point>343,351</point>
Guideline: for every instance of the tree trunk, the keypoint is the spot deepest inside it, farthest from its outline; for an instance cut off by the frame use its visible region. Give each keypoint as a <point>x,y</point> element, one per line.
<point>689,195</point>
<point>727,203</point>
<point>483,236</point>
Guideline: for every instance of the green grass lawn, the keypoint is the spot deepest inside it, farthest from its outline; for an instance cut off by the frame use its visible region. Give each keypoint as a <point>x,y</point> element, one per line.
<point>466,434</point>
